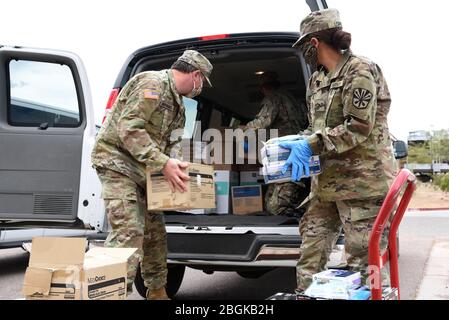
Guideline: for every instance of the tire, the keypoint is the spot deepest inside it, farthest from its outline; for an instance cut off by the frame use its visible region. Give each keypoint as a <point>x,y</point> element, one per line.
<point>174,280</point>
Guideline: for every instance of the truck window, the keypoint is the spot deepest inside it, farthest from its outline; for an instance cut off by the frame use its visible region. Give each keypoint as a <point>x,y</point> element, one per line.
<point>42,93</point>
<point>191,112</point>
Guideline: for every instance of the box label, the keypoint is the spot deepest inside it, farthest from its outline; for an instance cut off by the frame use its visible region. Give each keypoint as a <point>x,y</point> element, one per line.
<point>247,191</point>
<point>107,289</point>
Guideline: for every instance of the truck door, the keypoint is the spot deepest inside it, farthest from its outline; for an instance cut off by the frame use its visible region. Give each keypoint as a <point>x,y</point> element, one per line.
<point>42,120</point>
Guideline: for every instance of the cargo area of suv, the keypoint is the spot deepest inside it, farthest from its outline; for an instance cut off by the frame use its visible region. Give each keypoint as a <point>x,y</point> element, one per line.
<point>238,61</point>
<point>249,244</point>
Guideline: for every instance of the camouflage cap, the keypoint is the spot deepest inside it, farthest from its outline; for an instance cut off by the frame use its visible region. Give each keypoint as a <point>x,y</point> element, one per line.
<point>197,60</point>
<point>317,21</point>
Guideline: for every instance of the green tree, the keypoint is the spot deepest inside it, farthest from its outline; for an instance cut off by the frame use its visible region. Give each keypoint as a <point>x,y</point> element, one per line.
<point>419,153</point>
<point>442,181</point>
<point>439,146</point>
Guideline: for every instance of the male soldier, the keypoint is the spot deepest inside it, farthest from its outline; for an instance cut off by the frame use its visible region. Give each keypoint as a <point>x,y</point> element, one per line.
<point>136,135</point>
<point>348,100</point>
<point>281,111</point>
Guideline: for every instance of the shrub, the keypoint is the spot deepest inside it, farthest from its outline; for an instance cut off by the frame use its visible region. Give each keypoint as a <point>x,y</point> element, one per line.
<point>442,181</point>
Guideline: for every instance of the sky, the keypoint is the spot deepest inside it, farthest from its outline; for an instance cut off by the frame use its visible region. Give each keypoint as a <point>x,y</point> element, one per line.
<point>406,39</point>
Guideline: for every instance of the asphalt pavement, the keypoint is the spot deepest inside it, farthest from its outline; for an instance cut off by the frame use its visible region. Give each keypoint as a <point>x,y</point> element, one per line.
<point>418,233</point>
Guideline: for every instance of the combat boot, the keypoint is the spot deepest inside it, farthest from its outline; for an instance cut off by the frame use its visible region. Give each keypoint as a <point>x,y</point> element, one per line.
<point>157,294</point>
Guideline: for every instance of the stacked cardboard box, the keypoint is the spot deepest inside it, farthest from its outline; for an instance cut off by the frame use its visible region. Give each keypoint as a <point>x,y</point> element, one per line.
<point>247,199</point>
<point>250,178</point>
<point>59,269</point>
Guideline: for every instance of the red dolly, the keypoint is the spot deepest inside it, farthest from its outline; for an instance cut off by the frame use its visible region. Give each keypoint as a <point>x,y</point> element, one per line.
<point>376,261</point>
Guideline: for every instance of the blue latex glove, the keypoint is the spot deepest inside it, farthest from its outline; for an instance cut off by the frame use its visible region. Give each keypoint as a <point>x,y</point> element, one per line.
<point>245,146</point>
<point>299,158</point>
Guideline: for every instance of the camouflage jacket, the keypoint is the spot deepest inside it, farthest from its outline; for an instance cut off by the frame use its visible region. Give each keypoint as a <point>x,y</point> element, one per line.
<point>280,111</point>
<point>138,130</point>
<point>348,111</point>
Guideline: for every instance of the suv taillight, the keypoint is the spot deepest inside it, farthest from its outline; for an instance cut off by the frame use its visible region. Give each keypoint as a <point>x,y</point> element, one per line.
<point>112,97</point>
<point>214,37</point>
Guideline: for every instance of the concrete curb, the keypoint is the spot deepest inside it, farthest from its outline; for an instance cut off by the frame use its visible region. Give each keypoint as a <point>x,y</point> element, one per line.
<point>435,283</point>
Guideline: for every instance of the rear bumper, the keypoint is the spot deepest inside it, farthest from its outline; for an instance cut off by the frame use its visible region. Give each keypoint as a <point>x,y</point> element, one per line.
<point>235,248</point>
<point>219,248</point>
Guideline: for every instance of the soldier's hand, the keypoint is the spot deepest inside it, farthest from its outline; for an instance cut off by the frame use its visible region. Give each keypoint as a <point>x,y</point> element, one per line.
<point>175,176</point>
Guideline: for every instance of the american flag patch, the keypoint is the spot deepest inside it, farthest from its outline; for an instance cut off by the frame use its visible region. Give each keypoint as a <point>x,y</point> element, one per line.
<point>150,94</point>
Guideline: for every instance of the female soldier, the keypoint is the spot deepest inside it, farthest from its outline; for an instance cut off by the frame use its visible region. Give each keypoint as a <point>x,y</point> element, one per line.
<point>348,101</point>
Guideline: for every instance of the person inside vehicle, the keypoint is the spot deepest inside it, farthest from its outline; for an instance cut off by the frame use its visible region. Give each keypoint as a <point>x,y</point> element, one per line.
<point>280,110</point>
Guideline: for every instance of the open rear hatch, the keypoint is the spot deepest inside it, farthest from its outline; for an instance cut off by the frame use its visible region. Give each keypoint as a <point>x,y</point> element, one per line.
<point>238,61</point>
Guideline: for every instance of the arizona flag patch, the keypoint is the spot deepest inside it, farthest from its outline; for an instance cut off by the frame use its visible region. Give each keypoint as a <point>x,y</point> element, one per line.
<point>150,94</point>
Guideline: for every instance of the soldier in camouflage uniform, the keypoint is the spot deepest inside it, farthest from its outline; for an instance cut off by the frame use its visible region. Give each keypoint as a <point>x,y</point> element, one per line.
<point>138,133</point>
<point>280,110</point>
<point>348,101</point>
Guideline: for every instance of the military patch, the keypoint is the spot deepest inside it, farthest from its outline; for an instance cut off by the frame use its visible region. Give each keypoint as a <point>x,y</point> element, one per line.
<point>337,84</point>
<point>361,98</point>
<point>166,106</point>
<point>150,94</point>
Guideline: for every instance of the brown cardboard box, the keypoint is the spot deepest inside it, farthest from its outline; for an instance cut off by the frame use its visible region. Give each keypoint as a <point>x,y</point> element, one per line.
<point>250,178</point>
<point>247,199</point>
<point>226,167</point>
<point>249,167</point>
<point>200,190</point>
<point>59,269</point>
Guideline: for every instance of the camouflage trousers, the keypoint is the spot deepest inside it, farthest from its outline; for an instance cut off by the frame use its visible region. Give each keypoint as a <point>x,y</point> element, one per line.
<point>320,228</point>
<point>284,198</point>
<point>132,226</point>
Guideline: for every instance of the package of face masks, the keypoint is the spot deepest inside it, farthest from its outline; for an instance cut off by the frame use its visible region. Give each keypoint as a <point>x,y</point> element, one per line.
<point>272,171</point>
<point>271,151</point>
<point>334,284</point>
<point>274,157</point>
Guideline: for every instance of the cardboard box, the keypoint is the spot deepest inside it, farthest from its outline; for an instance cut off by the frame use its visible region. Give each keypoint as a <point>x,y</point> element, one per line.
<point>250,178</point>
<point>198,211</point>
<point>200,192</point>
<point>249,167</point>
<point>224,181</point>
<point>59,269</point>
<point>226,167</point>
<point>247,199</point>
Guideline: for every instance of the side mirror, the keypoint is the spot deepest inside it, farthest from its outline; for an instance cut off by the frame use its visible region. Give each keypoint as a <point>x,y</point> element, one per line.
<point>400,149</point>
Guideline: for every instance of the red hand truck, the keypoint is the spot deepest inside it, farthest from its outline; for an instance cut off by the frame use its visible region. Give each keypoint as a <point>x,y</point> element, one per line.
<point>376,261</point>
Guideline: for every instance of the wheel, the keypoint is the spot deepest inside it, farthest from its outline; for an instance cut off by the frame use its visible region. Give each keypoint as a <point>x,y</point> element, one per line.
<point>174,280</point>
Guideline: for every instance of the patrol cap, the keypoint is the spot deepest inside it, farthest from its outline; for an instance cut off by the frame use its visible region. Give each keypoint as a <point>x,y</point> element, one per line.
<point>318,21</point>
<point>200,62</point>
